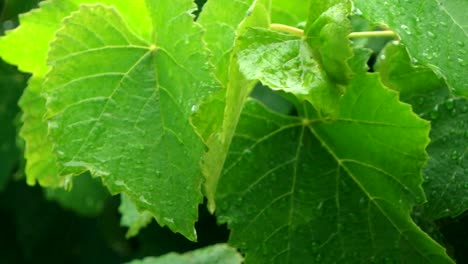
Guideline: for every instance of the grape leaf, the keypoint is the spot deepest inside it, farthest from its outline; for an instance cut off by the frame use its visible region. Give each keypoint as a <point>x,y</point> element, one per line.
<point>40,158</point>
<point>12,83</point>
<point>119,106</point>
<point>329,191</point>
<point>289,12</point>
<point>131,217</point>
<point>86,197</point>
<point>217,118</point>
<point>289,65</point>
<point>446,182</point>
<point>17,48</point>
<point>215,254</point>
<point>446,171</point>
<point>327,30</point>
<point>420,26</point>
<point>41,24</point>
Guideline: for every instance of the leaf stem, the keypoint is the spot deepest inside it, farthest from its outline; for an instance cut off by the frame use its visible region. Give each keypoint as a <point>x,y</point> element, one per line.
<point>366,34</point>
<point>287,29</point>
<point>370,34</point>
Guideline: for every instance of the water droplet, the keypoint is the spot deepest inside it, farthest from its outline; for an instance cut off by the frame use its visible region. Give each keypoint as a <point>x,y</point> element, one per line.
<point>435,112</point>
<point>449,104</point>
<point>414,60</point>
<point>461,44</point>
<point>461,61</point>
<point>406,29</point>
<point>194,108</point>
<point>320,205</point>
<point>382,57</point>
<point>443,23</point>
<point>430,34</point>
<point>453,112</point>
<point>357,11</point>
<point>247,151</point>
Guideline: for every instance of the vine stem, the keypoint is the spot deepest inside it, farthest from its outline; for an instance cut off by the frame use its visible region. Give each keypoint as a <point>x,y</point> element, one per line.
<point>366,34</point>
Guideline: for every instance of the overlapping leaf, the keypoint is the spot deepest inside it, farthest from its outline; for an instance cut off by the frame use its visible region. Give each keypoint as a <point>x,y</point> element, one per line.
<point>445,174</point>
<point>41,161</point>
<point>41,24</point>
<point>286,62</point>
<point>329,190</point>
<point>217,118</point>
<point>132,217</point>
<point>421,27</point>
<point>119,106</point>
<point>327,32</point>
<point>210,255</point>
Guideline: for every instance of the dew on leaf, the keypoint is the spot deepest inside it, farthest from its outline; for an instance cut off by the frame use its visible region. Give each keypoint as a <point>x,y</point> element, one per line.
<point>461,44</point>
<point>454,155</point>
<point>430,34</point>
<point>435,112</point>
<point>320,205</point>
<point>406,29</point>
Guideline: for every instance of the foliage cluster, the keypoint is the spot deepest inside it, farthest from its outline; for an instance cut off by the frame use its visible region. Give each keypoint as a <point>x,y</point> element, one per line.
<point>319,131</point>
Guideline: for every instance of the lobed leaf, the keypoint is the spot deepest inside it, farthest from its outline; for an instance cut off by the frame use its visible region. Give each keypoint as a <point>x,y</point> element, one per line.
<point>216,119</point>
<point>40,158</point>
<point>329,190</point>
<point>41,24</point>
<point>445,172</point>
<point>286,62</point>
<point>420,27</point>
<point>119,106</point>
<point>327,30</point>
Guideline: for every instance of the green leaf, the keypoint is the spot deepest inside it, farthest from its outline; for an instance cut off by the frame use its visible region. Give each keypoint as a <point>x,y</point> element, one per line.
<point>420,27</point>
<point>327,32</point>
<point>210,255</point>
<point>131,217</point>
<point>289,12</point>
<point>86,197</point>
<point>12,83</point>
<point>445,172</point>
<point>40,158</point>
<point>397,72</point>
<point>27,45</point>
<point>217,118</point>
<point>329,190</point>
<point>119,106</point>
<point>286,62</point>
